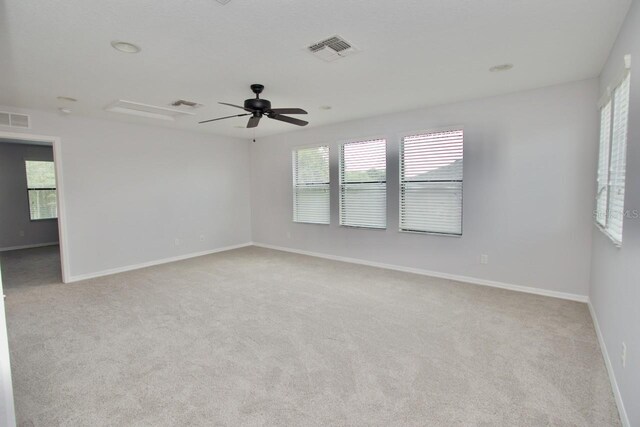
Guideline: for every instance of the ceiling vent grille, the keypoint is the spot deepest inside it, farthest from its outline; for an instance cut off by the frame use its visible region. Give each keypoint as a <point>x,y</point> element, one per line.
<point>332,48</point>
<point>15,120</point>
<point>146,110</point>
<point>187,104</point>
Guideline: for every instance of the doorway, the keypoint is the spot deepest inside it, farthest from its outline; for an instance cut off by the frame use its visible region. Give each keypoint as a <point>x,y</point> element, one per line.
<point>32,226</point>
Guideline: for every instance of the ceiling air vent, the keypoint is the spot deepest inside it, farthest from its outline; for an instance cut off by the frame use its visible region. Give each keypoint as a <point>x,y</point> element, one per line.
<point>184,103</point>
<point>332,48</point>
<point>146,110</point>
<point>14,120</point>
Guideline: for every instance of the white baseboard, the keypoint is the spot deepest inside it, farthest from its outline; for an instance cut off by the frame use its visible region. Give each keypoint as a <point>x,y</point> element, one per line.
<point>37,245</point>
<point>607,361</point>
<point>465,279</point>
<point>111,271</point>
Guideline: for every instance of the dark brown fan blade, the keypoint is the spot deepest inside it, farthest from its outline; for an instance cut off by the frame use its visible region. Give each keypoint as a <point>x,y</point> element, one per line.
<point>253,121</point>
<point>287,111</point>
<point>237,106</point>
<point>288,119</point>
<point>227,117</point>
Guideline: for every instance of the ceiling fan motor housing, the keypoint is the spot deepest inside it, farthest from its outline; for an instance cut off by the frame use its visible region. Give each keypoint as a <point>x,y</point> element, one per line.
<point>258,104</point>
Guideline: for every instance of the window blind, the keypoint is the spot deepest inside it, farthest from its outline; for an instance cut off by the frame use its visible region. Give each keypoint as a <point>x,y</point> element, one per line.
<point>602,196</point>
<point>363,184</point>
<point>431,182</point>
<point>311,185</point>
<point>41,187</point>
<point>617,169</point>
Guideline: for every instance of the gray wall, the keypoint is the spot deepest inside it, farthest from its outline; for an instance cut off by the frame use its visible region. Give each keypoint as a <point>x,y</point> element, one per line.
<point>16,228</point>
<point>528,190</point>
<point>615,276</point>
<point>131,190</point>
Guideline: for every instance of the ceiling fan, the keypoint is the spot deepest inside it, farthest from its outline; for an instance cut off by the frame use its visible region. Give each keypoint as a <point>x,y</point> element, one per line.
<point>256,108</point>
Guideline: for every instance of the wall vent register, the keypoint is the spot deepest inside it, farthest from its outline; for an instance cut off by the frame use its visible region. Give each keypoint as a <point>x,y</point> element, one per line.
<point>14,120</point>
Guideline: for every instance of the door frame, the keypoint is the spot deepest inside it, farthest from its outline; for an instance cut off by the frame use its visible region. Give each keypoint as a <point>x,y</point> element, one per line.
<point>62,215</point>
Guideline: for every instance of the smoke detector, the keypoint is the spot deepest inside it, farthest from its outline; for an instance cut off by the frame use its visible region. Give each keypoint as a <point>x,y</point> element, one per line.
<point>125,47</point>
<point>332,49</point>
<point>66,98</point>
<point>500,68</point>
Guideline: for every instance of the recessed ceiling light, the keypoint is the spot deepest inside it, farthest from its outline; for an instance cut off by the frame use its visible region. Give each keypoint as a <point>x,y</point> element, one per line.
<point>67,98</point>
<point>64,110</point>
<point>325,107</point>
<point>501,67</point>
<point>125,47</point>
<point>240,127</point>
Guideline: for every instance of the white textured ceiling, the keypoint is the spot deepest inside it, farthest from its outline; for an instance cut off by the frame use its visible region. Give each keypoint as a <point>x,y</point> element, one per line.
<point>414,53</point>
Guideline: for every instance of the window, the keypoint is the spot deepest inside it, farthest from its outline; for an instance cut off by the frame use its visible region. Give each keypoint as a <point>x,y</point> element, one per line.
<point>603,165</point>
<point>311,185</point>
<point>431,182</point>
<point>41,186</point>
<point>363,184</point>
<point>614,116</point>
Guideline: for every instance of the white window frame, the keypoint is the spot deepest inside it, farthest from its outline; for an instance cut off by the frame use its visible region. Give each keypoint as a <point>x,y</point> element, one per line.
<point>54,189</point>
<point>341,145</point>
<point>601,219</point>
<point>400,153</point>
<point>294,186</point>
<point>604,148</point>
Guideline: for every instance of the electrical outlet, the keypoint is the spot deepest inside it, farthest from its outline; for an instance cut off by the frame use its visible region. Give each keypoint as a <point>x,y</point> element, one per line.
<point>202,237</point>
<point>288,234</point>
<point>623,355</point>
<point>484,259</point>
<point>177,241</point>
<point>21,233</point>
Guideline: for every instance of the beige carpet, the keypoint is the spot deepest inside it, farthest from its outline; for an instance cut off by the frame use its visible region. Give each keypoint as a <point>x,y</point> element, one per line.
<point>260,337</point>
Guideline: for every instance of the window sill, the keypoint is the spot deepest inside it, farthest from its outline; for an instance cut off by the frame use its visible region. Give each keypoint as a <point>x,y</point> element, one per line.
<point>363,227</point>
<point>43,219</point>
<point>431,233</point>
<point>604,231</point>
<point>310,223</point>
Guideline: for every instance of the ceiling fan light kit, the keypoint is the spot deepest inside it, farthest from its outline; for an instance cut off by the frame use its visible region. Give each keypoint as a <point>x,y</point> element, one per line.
<point>258,107</point>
